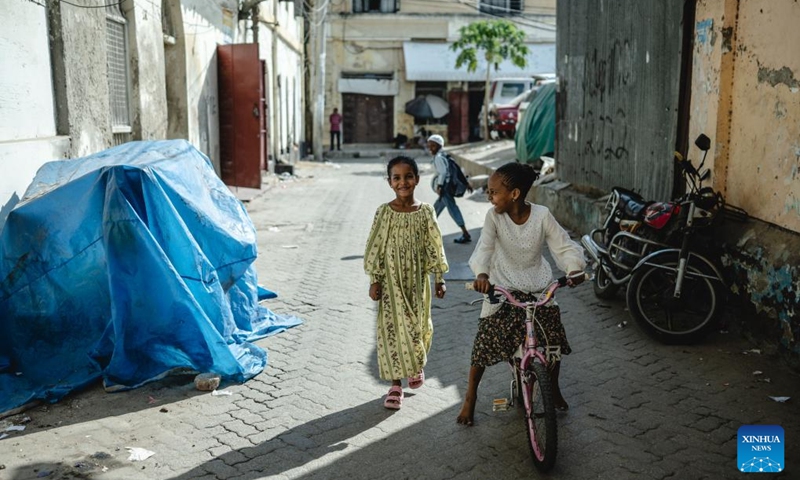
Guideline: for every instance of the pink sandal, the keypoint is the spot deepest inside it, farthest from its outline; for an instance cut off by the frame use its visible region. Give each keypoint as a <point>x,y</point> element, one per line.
<point>394,402</point>
<point>417,380</point>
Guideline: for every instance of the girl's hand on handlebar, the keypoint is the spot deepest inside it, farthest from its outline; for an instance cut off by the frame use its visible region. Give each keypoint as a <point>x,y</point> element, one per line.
<point>575,278</point>
<point>375,291</point>
<point>481,283</point>
<point>440,290</point>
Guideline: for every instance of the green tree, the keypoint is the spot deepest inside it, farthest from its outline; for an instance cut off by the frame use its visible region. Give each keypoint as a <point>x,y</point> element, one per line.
<point>496,40</point>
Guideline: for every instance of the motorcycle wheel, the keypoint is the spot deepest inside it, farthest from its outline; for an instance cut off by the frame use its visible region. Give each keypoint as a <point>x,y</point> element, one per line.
<point>668,319</point>
<point>603,288</point>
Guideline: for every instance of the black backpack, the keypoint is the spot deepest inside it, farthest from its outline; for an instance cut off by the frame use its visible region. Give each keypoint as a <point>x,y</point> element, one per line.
<point>457,184</point>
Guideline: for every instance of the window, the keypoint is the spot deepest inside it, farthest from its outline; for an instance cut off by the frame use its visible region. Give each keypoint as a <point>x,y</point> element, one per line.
<point>118,72</point>
<point>501,7</point>
<point>376,6</point>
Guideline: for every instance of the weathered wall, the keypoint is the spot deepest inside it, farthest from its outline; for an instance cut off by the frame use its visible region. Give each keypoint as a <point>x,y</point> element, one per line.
<point>617,105</point>
<point>746,96</point>
<point>147,70</point>
<point>205,24</point>
<point>85,95</point>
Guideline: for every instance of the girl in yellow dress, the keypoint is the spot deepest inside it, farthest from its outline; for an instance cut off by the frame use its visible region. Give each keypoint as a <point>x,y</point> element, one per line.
<point>404,248</point>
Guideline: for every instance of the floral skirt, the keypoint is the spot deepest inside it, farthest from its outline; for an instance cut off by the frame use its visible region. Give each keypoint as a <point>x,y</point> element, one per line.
<point>500,335</point>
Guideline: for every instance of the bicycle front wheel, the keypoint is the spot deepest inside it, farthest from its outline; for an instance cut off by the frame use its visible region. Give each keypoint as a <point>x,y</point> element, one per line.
<point>540,416</point>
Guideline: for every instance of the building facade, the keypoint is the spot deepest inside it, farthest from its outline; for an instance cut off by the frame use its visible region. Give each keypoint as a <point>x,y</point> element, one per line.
<point>77,79</point>
<point>382,54</point>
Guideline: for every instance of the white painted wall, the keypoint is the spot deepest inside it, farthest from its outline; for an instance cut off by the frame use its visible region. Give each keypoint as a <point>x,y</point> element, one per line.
<point>206,23</point>
<point>281,47</point>
<point>27,115</point>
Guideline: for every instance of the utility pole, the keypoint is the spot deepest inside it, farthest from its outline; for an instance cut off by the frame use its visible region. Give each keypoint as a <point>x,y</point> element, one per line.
<point>319,27</point>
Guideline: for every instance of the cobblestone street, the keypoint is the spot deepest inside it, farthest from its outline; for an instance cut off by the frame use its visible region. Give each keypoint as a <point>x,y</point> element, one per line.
<point>638,409</point>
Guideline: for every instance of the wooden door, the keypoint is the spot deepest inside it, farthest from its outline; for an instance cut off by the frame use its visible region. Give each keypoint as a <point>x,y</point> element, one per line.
<point>367,118</point>
<point>458,119</point>
<point>242,120</point>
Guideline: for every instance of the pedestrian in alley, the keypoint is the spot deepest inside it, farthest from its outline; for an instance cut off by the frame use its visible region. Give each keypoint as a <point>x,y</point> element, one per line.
<point>336,128</point>
<point>404,248</point>
<point>440,179</point>
<point>509,253</point>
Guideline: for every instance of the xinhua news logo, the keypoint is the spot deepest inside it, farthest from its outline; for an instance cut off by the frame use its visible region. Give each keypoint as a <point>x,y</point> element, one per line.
<point>760,449</point>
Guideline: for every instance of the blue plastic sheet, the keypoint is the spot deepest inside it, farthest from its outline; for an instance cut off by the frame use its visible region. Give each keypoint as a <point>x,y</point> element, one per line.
<point>127,265</point>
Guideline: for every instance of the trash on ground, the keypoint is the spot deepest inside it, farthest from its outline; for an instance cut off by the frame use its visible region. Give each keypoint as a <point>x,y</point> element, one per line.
<point>273,229</point>
<point>221,393</point>
<point>499,404</point>
<point>780,399</point>
<point>3,435</point>
<point>765,380</point>
<point>757,372</point>
<point>15,428</point>
<point>752,350</point>
<point>151,400</point>
<point>622,324</point>
<point>206,382</point>
<point>139,454</point>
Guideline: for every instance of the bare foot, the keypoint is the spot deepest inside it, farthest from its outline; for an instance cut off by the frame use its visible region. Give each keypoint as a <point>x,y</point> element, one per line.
<point>467,414</point>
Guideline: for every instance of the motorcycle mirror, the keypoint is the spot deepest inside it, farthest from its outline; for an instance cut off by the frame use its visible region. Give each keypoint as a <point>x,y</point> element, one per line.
<point>706,175</point>
<point>703,142</point>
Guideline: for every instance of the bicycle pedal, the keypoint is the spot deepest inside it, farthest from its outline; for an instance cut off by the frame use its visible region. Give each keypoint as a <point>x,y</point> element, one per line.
<point>500,404</point>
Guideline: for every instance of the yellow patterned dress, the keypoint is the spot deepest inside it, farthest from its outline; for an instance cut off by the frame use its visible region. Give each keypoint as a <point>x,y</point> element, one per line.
<point>402,251</point>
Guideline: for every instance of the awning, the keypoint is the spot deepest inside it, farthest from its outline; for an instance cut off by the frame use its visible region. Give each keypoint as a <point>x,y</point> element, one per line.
<point>435,62</point>
<point>369,86</point>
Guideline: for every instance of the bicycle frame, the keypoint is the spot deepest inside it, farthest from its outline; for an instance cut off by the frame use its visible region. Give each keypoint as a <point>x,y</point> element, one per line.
<point>531,342</point>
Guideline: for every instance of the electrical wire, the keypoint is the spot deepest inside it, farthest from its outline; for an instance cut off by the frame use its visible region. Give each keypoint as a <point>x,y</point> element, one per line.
<point>92,6</point>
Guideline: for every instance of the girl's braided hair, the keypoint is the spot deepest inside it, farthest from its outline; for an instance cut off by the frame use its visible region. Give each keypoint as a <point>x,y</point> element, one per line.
<point>402,159</point>
<point>518,175</point>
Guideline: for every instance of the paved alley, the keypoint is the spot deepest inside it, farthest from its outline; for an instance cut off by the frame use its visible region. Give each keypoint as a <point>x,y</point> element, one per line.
<point>639,409</point>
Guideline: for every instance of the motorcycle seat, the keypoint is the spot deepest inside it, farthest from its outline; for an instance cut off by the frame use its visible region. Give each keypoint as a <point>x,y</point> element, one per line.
<point>633,205</point>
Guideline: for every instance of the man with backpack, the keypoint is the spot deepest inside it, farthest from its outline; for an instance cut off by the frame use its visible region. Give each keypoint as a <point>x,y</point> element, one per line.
<point>448,182</point>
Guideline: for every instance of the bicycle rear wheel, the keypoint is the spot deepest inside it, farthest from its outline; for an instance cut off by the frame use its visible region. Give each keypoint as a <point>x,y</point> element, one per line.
<point>540,416</point>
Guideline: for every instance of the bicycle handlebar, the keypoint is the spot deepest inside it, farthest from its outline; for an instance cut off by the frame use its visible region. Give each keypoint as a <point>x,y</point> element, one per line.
<point>547,294</point>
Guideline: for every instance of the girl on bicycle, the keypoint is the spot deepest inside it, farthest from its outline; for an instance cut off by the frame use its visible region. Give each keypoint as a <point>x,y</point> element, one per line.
<point>404,248</point>
<point>510,253</point>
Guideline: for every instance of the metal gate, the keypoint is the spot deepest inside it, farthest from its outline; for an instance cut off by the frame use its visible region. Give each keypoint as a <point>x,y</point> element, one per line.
<point>619,67</point>
<point>367,118</point>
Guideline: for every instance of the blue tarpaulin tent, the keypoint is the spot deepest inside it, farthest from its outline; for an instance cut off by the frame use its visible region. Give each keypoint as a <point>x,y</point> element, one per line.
<point>127,265</point>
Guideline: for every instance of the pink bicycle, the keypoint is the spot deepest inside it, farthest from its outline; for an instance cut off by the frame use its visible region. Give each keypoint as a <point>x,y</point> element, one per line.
<point>531,378</point>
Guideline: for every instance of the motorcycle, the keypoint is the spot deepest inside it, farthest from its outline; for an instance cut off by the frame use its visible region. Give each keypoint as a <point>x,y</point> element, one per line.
<point>673,290</point>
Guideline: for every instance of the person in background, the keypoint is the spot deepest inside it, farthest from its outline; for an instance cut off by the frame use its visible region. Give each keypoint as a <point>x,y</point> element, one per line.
<point>336,128</point>
<point>446,199</point>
